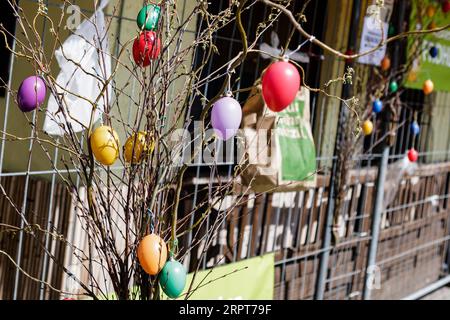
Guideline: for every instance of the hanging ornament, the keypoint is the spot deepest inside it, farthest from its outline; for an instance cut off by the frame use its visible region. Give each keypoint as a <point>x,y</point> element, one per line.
<point>446,6</point>
<point>412,76</point>
<point>31,93</point>
<point>172,279</point>
<point>105,145</point>
<point>226,116</point>
<point>377,106</point>
<point>434,52</point>
<point>385,63</point>
<point>432,25</point>
<point>148,17</point>
<point>413,155</point>
<point>391,30</point>
<point>146,48</point>
<point>431,11</point>
<point>415,128</point>
<point>152,254</point>
<point>135,147</point>
<point>280,85</point>
<point>428,87</point>
<point>367,127</point>
<point>393,86</point>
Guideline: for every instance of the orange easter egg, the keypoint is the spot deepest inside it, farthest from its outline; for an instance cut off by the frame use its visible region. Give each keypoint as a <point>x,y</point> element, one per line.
<point>152,254</point>
<point>428,87</point>
<point>385,63</point>
<point>431,11</point>
<point>432,25</point>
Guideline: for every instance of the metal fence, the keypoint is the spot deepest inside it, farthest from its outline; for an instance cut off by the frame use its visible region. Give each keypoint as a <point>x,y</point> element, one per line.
<point>384,249</point>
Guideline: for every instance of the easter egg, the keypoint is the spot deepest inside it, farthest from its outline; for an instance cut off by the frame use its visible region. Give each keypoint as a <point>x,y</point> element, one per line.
<point>31,93</point>
<point>226,116</point>
<point>152,254</point>
<point>428,87</point>
<point>146,48</point>
<point>172,279</point>
<point>415,128</point>
<point>412,76</point>
<point>135,147</point>
<point>391,30</point>
<point>367,127</point>
<point>148,17</point>
<point>280,84</point>
<point>413,155</point>
<point>432,25</point>
<point>393,86</point>
<point>446,6</point>
<point>434,52</point>
<point>431,11</point>
<point>105,145</point>
<point>377,106</point>
<point>385,63</point>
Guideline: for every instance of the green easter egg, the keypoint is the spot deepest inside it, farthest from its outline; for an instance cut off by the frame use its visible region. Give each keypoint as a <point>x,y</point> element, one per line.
<point>393,86</point>
<point>149,15</point>
<point>391,31</point>
<point>172,279</point>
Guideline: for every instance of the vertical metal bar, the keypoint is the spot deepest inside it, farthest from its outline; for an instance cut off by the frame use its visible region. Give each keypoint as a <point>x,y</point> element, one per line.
<point>49,225</point>
<point>376,219</point>
<point>325,255</point>
<point>23,213</point>
<point>27,180</point>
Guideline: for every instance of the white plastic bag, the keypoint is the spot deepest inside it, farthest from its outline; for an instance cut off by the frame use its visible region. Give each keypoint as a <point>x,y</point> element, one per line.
<point>396,173</point>
<point>81,48</point>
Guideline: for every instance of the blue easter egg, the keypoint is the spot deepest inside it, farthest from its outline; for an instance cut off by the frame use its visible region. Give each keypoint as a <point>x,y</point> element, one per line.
<point>377,106</point>
<point>434,52</point>
<point>415,128</point>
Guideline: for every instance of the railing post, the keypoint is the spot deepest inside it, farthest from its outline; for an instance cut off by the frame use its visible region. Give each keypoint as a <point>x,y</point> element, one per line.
<point>376,219</point>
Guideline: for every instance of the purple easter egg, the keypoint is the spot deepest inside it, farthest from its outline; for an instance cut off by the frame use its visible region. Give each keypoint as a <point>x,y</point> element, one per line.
<point>226,117</point>
<point>31,93</point>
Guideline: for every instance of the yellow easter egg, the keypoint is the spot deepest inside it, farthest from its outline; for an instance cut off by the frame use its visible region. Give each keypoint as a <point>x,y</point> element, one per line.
<point>412,76</point>
<point>367,127</point>
<point>135,147</point>
<point>105,145</point>
<point>431,11</point>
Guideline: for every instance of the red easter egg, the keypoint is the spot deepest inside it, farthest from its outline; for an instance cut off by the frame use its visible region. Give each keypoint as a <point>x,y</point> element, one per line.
<point>385,63</point>
<point>413,155</point>
<point>146,47</point>
<point>446,6</point>
<point>280,85</point>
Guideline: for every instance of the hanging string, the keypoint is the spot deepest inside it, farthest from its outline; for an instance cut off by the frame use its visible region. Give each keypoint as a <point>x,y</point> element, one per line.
<point>151,221</point>
<point>229,92</point>
<point>310,39</point>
